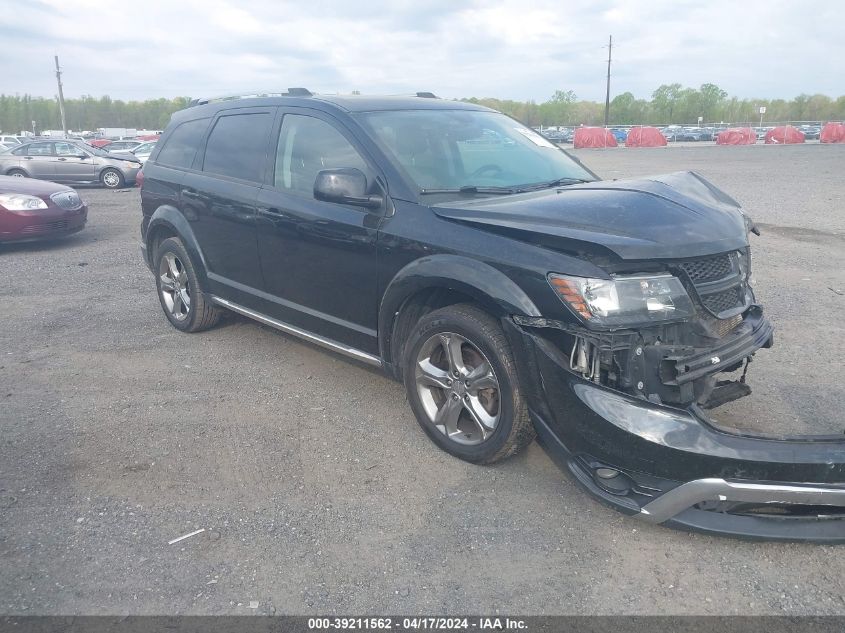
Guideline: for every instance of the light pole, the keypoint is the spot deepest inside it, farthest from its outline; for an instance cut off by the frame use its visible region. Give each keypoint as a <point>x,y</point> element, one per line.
<point>607,96</point>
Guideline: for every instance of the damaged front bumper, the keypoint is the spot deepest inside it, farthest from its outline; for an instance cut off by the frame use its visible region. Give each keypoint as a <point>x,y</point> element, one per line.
<point>670,464</point>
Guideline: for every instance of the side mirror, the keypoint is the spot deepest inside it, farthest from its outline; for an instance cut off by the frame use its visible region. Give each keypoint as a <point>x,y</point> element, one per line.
<point>346,186</point>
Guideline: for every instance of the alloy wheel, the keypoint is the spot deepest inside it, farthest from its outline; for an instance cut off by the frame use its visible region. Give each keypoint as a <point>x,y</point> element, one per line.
<point>458,388</point>
<point>173,279</point>
<point>111,179</point>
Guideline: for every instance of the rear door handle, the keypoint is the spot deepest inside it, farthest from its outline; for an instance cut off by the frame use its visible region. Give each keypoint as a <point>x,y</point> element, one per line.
<point>273,211</point>
<point>27,157</point>
<point>63,159</point>
<point>190,194</point>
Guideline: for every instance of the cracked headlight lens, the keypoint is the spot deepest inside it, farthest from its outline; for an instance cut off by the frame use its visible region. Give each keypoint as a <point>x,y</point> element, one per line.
<point>624,301</point>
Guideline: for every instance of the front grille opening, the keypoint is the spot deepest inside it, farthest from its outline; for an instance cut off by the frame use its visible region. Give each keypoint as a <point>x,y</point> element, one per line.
<point>723,327</point>
<point>722,301</point>
<point>43,228</point>
<point>67,200</point>
<point>775,510</point>
<point>708,269</point>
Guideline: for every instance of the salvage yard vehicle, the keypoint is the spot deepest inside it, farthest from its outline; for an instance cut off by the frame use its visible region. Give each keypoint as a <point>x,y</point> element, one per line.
<point>512,291</point>
<point>36,210</point>
<point>70,161</point>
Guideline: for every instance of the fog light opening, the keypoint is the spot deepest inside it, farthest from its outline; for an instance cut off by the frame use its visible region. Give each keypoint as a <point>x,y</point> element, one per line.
<point>612,480</point>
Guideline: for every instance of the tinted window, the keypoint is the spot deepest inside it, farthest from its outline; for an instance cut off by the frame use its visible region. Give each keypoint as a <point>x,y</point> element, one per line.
<point>237,146</point>
<point>307,146</point>
<point>181,147</point>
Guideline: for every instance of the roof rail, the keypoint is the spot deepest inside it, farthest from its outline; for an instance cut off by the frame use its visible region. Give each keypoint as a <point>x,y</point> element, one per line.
<point>291,92</point>
<point>427,95</point>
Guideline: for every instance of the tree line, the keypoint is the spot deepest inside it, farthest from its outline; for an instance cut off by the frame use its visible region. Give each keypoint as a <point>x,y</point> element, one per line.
<point>669,103</point>
<point>17,113</point>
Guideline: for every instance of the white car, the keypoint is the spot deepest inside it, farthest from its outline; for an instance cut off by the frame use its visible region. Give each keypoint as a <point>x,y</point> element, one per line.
<point>141,152</point>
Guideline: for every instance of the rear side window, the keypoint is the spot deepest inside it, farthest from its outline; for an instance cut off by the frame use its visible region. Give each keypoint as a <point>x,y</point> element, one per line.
<point>39,149</point>
<point>181,146</point>
<point>237,146</point>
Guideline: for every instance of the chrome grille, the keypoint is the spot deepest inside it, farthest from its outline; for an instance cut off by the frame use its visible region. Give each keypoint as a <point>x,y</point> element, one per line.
<point>67,200</point>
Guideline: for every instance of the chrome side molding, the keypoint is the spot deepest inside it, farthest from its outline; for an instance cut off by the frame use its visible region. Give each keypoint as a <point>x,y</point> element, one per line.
<point>328,343</point>
<point>687,495</point>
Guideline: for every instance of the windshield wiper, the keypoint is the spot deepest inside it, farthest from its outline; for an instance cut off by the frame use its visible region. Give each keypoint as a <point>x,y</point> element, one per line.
<point>559,182</point>
<point>471,189</point>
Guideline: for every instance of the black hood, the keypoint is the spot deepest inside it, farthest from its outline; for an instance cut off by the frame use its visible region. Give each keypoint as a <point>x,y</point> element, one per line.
<point>673,216</point>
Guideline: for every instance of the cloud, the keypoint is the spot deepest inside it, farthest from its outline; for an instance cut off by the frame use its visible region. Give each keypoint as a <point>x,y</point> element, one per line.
<point>505,48</point>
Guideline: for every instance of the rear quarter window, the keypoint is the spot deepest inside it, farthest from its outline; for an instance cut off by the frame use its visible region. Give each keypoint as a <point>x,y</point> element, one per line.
<point>181,146</point>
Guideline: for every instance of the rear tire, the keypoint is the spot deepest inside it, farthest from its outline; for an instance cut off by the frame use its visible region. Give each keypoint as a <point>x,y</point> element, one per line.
<point>17,173</point>
<point>184,304</point>
<point>112,178</point>
<point>462,385</point>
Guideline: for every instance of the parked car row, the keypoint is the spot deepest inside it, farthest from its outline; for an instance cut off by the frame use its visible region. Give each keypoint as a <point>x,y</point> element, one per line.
<point>674,132</point>
<point>70,161</point>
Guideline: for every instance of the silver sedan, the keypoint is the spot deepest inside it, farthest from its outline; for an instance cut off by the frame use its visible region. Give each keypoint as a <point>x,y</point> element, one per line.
<point>71,162</point>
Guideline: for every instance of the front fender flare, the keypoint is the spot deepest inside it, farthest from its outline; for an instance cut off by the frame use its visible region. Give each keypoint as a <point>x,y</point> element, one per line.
<point>484,283</point>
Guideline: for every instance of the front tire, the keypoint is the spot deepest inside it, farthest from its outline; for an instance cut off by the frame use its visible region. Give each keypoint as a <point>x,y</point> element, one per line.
<point>112,179</point>
<point>17,173</point>
<point>179,293</point>
<point>461,382</point>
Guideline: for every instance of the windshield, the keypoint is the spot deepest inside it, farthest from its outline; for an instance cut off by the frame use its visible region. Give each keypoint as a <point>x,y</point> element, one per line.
<point>453,149</point>
<point>96,151</point>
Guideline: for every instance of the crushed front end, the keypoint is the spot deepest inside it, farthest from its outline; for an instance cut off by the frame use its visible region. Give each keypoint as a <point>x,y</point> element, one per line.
<point>623,408</point>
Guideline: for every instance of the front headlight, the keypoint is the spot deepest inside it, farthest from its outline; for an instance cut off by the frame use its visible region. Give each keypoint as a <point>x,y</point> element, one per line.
<point>624,301</point>
<point>21,202</point>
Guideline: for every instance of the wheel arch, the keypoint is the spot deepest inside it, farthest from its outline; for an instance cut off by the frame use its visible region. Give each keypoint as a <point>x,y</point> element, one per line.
<point>433,282</point>
<point>167,221</point>
<point>105,168</point>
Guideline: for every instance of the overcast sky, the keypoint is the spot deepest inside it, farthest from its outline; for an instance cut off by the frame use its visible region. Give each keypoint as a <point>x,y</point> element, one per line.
<point>517,50</point>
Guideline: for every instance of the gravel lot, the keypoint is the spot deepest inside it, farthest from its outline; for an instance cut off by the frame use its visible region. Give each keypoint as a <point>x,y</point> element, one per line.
<point>316,488</point>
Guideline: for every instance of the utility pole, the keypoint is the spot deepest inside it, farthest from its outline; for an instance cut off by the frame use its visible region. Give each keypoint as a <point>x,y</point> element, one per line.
<point>61,95</point>
<point>607,97</point>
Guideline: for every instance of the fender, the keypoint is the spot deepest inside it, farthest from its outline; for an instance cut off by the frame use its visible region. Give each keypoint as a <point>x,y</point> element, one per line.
<point>173,221</point>
<point>489,286</point>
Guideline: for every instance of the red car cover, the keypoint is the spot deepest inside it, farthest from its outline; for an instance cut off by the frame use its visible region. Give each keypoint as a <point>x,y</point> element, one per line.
<point>736,136</point>
<point>785,134</point>
<point>593,137</point>
<point>645,137</point>
<point>832,133</point>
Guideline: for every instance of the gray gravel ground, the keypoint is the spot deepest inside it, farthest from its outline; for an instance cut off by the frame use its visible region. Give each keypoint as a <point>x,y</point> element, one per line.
<point>318,491</point>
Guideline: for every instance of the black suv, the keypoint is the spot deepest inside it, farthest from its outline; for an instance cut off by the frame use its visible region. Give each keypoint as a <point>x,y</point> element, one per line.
<point>513,291</point>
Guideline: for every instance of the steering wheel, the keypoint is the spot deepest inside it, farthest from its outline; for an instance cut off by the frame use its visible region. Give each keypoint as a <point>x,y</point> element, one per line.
<point>495,169</point>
